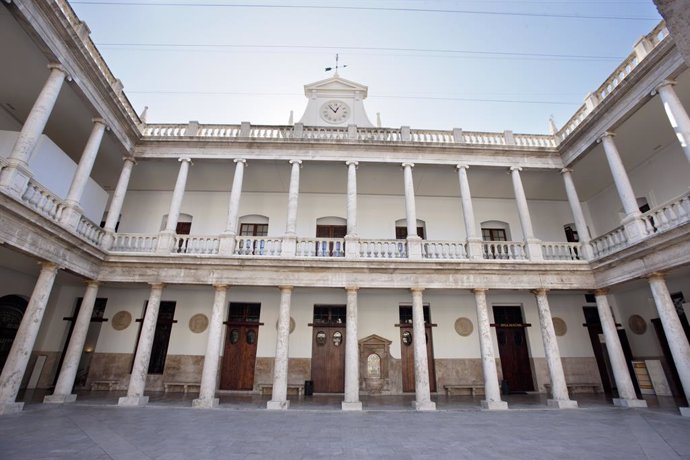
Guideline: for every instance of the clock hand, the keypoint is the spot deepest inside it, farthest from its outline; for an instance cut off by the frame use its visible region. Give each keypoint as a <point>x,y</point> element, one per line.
<point>334,111</point>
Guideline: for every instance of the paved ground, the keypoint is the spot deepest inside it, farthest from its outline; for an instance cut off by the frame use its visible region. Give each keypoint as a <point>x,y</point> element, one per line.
<point>314,428</point>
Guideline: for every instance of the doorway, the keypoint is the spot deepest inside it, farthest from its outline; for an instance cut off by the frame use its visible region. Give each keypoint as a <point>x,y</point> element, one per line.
<point>512,348</point>
<point>407,348</point>
<point>328,348</point>
<point>332,248</point>
<point>12,309</point>
<point>241,338</point>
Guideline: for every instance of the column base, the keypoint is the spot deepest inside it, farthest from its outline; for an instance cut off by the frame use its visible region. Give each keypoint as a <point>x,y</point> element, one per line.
<point>166,241</point>
<point>71,216</point>
<point>424,405</point>
<point>226,247</point>
<point>414,248</point>
<point>108,241</point>
<point>475,250</point>
<point>59,399</point>
<point>561,403</point>
<point>534,250</point>
<point>205,403</point>
<point>133,401</point>
<point>620,402</point>
<point>634,227</point>
<point>684,411</point>
<point>351,405</point>
<point>494,405</point>
<point>11,408</point>
<point>14,179</point>
<point>277,405</point>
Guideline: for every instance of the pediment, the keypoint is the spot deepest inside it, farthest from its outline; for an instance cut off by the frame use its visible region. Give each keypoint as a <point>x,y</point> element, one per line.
<point>335,84</point>
<point>374,340</point>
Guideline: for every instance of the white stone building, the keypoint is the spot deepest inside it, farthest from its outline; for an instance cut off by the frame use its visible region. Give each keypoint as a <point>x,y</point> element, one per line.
<point>359,259</point>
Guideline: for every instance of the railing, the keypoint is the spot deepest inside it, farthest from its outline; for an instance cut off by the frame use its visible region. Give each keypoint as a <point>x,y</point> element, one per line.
<point>186,244</point>
<point>382,249</point>
<point>535,140</point>
<point>561,251</point>
<point>668,215</point>
<point>90,231</point>
<point>379,135</point>
<point>258,246</point>
<point>126,242</point>
<point>42,200</point>
<point>434,136</point>
<point>445,250</point>
<point>610,242</point>
<point>320,247</point>
<point>479,138</point>
<point>325,133</point>
<point>504,250</point>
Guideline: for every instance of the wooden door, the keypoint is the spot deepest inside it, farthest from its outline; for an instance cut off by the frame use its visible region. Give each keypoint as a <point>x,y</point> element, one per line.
<point>512,348</point>
<point>328,359</point>
<point>161,338</point>
<point>407,349</point>
<point>241,338</point>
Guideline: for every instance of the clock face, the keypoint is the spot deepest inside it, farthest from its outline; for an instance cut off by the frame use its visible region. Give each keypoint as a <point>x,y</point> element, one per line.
<point>335,111</point>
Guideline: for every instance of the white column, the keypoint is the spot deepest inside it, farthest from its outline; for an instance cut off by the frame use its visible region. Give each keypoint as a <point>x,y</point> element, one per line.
<point>178,195</point>
<point>474,242</point>
<point>209,375</point>
<point>18,358</point>
<point>14,177</point>
<point>351,197</point>
<point>414,244</point>
<point>352,401</point>
<point>279,399</point>
<point>422,390</point>
<point>72,212</point>
<point>492,390</point>
<point>137,381</point>
<point>289,246</point>
<point>680,121</point>
<point>116,203</point>
<point>634,227</point>
<point>677,341</point>
<point>626,391</point>
<point>235,195</point>
<point>559,390</point>
<point>70,365</point>
<point>533,245</point>
<point>578,216</point>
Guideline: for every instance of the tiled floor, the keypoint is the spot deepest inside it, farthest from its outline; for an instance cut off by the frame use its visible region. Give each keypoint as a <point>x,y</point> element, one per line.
<point>314,427</point>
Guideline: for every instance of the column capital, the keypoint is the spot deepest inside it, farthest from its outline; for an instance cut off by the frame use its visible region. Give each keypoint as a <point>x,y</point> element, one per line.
<point>606,135</point>
<point>656,276</point>
<point>351,288</point>
<point>61,68</point>
<point>130,159</point>
<point>240,160</point>
<point>515,168</point>
<point>602,291</point>
<point>408,164</point>
<point>220,287</point>
<point>478,290</point>
<point>156,285</point>
<point>462,166</point>
<point>539,291</point>
<point>352,162</point>
<point>187,159</point>
<point>94,283</point>
<point>416,290</point>
<point>663,84</point>
<point>49,266</point>
<point>99,121</point>
<point>298,162</point>
<point>566,170</point>
<point>285,287</point>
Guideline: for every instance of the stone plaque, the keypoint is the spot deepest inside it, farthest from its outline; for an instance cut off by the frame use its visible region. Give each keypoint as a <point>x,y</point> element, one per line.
<point>198,323</point>
<point>292,325</point>
<point>637,324</point>
<point>464,326</point>
<point>121,320</point>
<point>559,326</point>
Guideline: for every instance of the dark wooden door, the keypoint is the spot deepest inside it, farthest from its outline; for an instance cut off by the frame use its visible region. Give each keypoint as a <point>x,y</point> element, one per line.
<point>512,348</point>
<point>407,349</point>
<point>328,349</point>
<point>239,357</point>
<point>161,338</point>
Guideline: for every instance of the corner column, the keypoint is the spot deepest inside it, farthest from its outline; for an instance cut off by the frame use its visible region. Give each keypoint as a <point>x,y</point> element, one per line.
<point>680,121</point>
<point>533,245</point>
<point>167,236</point>
<point>137,381</point>
<point>117,202</point>
<point>351,239</point>
<point>209,375</point>
<point>227,239</point>
<point>474,242</point>
<point>289,247</point>
<point>578,216</point>
<point>677,341</point>
<point>18,358</point>
<point>632,222</point>
<point>414,242</point>
<point>492,390</point>
<point>626,391</point>
<point>352,401</point>
<point>559,390</point>
<point>279,399</point>
<point>70,365</point>
<point>15,176</point>
<point>423,400</point>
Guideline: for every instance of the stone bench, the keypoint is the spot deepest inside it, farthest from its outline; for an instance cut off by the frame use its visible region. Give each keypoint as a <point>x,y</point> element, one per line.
<point>473,389</point>
<point>581,387</point>
<point>168,386</point>
<point>102,385</point>
<point>294,389</point>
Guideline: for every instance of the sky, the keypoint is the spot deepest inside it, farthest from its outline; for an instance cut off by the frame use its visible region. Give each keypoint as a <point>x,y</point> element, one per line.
<point>485,65</point>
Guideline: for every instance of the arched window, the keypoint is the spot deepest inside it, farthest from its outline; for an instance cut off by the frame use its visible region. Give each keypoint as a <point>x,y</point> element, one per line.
<point>495,230</point>
<point>401,229</point>
<point>331,227</point>
<point>184,224</point>
<point>253,225</point>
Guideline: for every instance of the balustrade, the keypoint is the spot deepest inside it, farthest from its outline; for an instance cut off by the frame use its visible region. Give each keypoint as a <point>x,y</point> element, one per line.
<point>445,250</point>
<point>668,215</point>
<point>90,231</point>
<point>504,250</point>
<point>561,251</point>
<point>258,246</point>
<point>126,242</point>
<point>320,247</point>
<point>42,200</point>
<point>610,242</point>
<point>383,249</point>
<point>186,244</point>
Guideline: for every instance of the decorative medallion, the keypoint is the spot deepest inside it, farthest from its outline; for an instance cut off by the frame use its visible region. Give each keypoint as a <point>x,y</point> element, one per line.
<point>292,325</point>
<point>198,323</point>
<point>464,326</point>
<point>121,320</point>
<point>559,326</point>
<point>637,324</point>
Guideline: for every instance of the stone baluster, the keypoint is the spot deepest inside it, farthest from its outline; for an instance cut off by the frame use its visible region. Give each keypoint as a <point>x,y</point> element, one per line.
<point>533,245</point>
<point>209,375</point>
<point>474,242</point>
<point>578,216</point>
<point>116,203</point>
<point>492,390</point>
<point>677,115</point>
<point>414,242</point>
<point>279,399</point>
<point>351,401</point>
<point>422,400</point>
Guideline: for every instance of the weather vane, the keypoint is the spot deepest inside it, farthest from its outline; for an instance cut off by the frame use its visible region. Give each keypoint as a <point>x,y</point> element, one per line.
<point>337,66</point>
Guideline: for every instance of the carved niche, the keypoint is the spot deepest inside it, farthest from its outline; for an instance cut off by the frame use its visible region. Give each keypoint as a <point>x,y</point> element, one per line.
<point>374,365</point>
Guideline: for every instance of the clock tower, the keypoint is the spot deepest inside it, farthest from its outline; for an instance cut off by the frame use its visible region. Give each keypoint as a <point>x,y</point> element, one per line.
<point>335,102</point>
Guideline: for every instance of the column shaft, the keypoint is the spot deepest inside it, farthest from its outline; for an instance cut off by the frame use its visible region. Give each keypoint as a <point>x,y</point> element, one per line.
<point>626,391</point>
<point>88,157</point>
<point>466,197</point>
<point>209,374</point>
<point>137,382</point>
<point>421,364</point>
<point>492,390</point>
<point>559,390</point>
<point>620,177</point>
<point>351,198</point>
<point>119,195</point>
<point>70,365</point>
<point>293,198</point>
<point>351,354</point>
<point>178,194</point>
<point>521,200</point>
<point>18,358</point>
<point>576,209</point>
<point>280,368</point>
<point>410,207</point>
<point>677,115</point>
<point>235,195</point>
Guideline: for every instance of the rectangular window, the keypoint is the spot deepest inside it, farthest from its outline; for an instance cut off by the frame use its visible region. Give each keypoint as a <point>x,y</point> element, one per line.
<point>329,314</point>
<point>494,234</point>
<point>254,229</point>
<point>406,314</point>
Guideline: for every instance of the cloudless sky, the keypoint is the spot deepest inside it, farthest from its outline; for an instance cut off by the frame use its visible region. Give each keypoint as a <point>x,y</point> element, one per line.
<point>477,65</point>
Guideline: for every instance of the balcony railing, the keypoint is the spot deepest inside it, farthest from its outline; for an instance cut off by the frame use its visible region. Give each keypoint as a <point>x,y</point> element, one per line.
<point>187,244</point>
<point>504,250</point>
<point>611,242</point>
<point>561,251</point>
<point>320,247</point>
<point>382,249</point>
<point>258,246</point>
<point>444,250</point>
<point>134,242</point>
<point>43,201</point>
<point>668,215</point>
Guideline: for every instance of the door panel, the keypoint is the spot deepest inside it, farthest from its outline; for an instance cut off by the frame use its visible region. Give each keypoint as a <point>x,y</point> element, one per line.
<point>328,359</point>
<point>241,339</point>
<point>512,348</point>
<point>407,357</point>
